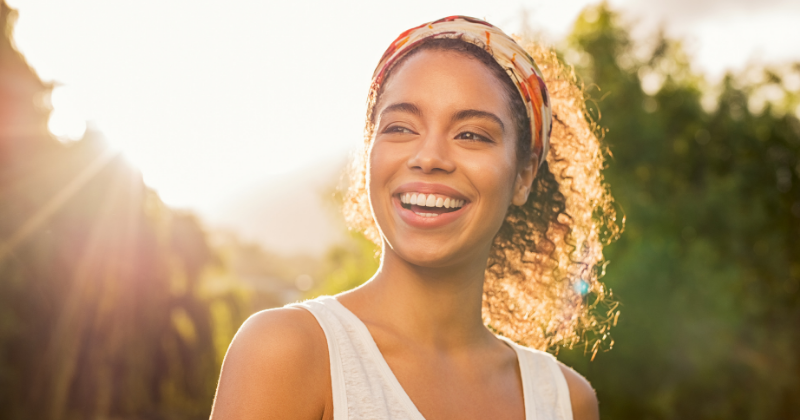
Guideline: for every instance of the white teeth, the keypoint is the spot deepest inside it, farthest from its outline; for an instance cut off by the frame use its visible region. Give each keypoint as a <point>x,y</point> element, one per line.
<point>431,201</point>
<point>426,214</point>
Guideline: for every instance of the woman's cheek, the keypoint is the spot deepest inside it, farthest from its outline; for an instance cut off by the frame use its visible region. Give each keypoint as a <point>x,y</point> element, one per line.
<point>379,173</point>
<point>495,180</point>
<point>375,167</point>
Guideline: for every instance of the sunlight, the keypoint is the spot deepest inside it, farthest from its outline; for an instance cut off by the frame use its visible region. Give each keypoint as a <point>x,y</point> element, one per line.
<point>69,189</point>
<point>202,99</point>
<point>168,169</point>
<point>66,120</point>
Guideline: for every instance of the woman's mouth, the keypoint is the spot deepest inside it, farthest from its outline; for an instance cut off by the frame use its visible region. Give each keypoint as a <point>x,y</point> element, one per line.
<point>429,205</point>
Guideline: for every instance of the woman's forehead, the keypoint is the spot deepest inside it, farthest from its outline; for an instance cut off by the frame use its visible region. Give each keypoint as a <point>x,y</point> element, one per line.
<point>442,77</point>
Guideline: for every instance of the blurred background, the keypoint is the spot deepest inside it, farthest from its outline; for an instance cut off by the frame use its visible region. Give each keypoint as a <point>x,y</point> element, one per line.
<point>169,168</point>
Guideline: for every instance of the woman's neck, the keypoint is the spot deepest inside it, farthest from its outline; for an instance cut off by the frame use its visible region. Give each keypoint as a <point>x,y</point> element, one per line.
<point>437,307</point>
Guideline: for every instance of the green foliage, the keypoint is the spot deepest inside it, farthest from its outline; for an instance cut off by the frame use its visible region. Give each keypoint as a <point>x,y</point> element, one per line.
<point>348,266</point>
<point>707,270</point>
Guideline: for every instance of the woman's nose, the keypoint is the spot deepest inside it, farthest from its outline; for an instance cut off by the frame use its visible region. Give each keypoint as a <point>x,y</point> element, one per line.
<point>432,155</point>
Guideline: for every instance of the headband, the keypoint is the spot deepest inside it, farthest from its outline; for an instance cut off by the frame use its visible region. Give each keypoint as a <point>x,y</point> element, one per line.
<point>509,55</point>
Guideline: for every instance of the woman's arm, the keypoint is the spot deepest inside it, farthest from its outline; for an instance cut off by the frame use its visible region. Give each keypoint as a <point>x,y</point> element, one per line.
<point>277,367</point>
<point>582,396</point>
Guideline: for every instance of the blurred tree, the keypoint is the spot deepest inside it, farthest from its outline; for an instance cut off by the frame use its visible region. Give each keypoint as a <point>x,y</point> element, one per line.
<point>708,269</point>
<point>271,279</point>
<point>347,266</point>
<point>350,263</point>
<point>105,306</point>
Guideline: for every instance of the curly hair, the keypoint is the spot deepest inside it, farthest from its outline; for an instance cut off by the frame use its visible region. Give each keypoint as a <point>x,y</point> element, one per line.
<point>542,277</point>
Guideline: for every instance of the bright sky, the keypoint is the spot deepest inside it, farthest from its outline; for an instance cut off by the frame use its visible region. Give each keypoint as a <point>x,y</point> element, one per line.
<point>210,98</point>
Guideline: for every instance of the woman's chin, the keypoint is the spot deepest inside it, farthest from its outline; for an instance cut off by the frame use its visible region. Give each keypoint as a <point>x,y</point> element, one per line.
<point>432,255</point>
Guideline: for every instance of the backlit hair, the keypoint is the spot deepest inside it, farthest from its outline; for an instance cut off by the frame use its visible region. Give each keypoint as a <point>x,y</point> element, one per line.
<point>542,283</point>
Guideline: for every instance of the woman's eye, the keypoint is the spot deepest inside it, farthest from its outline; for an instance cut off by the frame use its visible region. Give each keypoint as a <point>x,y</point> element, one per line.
<point>468,135</point>
<point>397,129</point>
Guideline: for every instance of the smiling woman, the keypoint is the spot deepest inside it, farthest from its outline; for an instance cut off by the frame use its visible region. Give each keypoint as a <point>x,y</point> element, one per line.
<point>488,243</point>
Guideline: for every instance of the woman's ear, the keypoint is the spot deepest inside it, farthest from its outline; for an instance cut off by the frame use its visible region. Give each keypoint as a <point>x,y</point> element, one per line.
<point>525,176</point>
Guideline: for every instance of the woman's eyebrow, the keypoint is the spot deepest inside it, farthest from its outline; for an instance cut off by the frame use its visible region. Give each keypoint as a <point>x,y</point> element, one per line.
<point>474,113</point>
<point>402,107</point>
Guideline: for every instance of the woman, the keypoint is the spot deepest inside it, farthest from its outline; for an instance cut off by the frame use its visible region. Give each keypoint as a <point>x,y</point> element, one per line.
<point>477,225</point>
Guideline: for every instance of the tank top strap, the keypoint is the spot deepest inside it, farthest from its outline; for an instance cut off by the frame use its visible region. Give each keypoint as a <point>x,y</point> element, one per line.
<point>331,328</point>
<point>543,383</point>
<point>363,385</point>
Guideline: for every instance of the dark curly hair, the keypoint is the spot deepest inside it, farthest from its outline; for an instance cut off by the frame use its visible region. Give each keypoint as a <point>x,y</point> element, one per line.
<point>541,280</point>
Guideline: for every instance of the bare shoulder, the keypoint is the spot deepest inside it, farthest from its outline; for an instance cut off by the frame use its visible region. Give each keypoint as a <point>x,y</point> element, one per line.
<point>582,395</point>
<point>277,366</point>
<point>286,334</point>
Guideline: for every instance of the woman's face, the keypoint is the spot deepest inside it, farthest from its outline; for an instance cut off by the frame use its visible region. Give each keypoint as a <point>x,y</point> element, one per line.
<point>442,165</point>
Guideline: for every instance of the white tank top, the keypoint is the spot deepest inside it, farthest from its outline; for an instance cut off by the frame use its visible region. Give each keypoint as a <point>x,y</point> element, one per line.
<point>364,386</point>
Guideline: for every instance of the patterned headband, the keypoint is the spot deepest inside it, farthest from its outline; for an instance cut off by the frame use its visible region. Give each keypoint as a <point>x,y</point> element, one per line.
<point>511,56</point>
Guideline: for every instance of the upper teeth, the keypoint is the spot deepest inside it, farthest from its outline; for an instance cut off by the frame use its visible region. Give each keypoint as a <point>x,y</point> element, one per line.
<point>431,200</point>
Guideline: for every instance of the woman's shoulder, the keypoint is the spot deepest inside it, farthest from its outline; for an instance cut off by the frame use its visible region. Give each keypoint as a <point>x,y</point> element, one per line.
<point>289,338</point>
<point>287,331</point>
<point>278,360</point>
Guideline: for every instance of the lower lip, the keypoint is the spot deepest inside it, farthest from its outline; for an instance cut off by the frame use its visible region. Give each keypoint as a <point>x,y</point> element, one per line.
<point>423,222</point>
